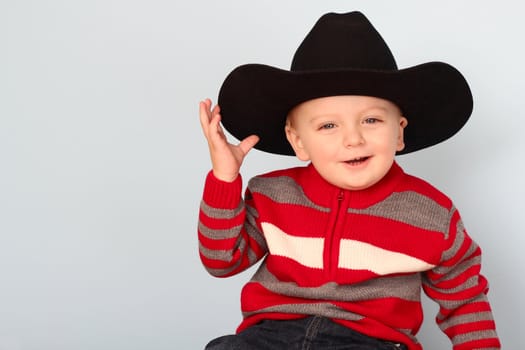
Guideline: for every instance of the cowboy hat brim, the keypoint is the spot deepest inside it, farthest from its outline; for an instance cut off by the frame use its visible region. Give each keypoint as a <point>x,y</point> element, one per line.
<point>256,98</point>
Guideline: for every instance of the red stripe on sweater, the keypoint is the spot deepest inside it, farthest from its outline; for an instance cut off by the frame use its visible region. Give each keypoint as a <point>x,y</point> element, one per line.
<point>491,343</point>
<point>480,306</point>
<point>221,224</point>
<point>470,327</point>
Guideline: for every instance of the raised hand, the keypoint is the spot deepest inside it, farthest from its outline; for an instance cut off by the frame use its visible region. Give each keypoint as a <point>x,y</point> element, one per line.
<point>226,158</point>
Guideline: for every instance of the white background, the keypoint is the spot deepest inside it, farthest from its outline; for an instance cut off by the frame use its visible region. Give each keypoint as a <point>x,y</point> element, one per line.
<point>102,159</point>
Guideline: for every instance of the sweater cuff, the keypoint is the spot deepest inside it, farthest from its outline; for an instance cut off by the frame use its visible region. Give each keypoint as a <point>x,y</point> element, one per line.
<point>222,194</point>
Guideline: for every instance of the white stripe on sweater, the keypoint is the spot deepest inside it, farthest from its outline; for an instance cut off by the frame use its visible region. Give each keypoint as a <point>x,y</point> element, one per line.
<point>353,255</point>
<point>307,251</point>
<point>356,255</point>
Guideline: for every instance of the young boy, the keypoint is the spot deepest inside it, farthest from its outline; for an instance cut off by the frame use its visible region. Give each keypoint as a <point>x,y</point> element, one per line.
<point>349,240</point>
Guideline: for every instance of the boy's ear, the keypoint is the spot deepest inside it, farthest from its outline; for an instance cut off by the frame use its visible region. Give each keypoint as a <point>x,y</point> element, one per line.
<point>295,141</point>
<point>403,122</point>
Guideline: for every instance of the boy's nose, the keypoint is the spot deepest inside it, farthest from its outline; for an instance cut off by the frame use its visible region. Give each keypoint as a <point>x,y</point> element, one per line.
<point>353,137</point>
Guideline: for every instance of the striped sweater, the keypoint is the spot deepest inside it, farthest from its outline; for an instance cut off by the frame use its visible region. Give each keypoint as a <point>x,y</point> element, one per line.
<point>360,258</point>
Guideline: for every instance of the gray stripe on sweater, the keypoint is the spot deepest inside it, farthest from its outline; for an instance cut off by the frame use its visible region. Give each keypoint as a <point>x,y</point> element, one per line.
<point>406,287</point>
<point>410,208</point>
<point>226,214</point>
<point>240,245</point>
<point>221,213</point>
<point>457,270</point>
<point>218,234</point>
<point>320,309</point>
<point>468,318</point>
<point>219,256</point>
<point>456,246</point>
<point>253,229</point>
<point>477,335</point>
<point>453,304</point>
<point>223,255</point>
<point>226,256</point>
<point>272,187</point>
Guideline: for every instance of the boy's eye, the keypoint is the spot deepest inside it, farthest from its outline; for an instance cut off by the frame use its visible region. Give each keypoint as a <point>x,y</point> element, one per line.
<point>327,126</point>
<point>371,120</point>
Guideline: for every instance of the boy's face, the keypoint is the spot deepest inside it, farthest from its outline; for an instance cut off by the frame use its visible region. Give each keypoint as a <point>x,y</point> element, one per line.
<point>350,140</point>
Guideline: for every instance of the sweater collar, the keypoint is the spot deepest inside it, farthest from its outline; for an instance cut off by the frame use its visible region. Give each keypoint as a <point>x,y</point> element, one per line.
<point>324,193</point>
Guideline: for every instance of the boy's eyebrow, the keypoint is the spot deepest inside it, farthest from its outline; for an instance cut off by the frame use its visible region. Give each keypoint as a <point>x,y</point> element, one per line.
<point>323,117</point>
<point>383,108</point>
<point>363,111</point>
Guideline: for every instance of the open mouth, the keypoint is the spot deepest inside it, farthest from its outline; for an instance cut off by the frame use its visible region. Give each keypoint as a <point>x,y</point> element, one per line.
<point>357,161</point>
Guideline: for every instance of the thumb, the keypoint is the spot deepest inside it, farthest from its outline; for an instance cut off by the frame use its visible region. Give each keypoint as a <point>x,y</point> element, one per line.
<point>247,144</point>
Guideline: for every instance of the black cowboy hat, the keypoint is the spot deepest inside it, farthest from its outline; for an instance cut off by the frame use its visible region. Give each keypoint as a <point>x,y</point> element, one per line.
<point>344,55</point>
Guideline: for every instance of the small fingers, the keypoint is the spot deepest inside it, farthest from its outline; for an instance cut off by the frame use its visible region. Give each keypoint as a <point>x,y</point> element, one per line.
<point>215,121</point>
<point>204,116</point>
<point>210,120</point>
<point>247,144</point>
<point>216,110</point>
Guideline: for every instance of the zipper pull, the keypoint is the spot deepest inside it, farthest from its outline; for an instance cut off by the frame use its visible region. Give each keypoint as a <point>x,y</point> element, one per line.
<point>340,196</point>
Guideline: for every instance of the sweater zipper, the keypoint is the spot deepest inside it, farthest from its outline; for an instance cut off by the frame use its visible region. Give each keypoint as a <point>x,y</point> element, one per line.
<point>333,246</point>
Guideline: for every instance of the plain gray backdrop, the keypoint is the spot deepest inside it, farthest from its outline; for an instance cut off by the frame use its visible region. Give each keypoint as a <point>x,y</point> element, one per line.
<point>102,159</point>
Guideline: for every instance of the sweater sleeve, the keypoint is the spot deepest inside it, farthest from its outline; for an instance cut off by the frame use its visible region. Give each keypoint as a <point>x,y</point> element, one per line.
<point>460,290</point>
<point>230,239</point>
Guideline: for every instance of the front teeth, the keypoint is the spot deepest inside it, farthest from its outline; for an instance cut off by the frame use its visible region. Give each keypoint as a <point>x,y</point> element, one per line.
<point>357,160</point>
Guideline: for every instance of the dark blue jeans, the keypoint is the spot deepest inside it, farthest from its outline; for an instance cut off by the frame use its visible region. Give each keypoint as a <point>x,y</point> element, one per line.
<point>312,333</point>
